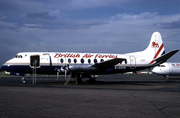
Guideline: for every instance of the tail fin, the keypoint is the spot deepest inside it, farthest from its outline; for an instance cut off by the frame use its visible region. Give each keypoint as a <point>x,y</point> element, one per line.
<point>156,47</point>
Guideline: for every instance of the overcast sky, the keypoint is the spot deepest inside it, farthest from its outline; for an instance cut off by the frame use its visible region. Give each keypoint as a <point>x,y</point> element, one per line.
<point>107,26</point>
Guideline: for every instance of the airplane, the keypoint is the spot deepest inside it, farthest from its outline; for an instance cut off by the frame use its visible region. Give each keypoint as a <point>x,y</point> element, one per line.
<point>167,69</point>
<point>88,65</point>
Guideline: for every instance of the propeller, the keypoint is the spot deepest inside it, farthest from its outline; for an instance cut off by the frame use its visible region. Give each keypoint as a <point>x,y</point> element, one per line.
<point>64,69</point>
<point>57,70</point>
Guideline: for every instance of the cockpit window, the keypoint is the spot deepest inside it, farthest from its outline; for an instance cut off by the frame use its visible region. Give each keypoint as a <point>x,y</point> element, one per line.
<point>18,56</point>
<point>162,66</point>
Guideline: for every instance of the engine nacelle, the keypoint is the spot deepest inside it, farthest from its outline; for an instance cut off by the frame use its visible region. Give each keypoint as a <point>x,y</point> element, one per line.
<point>81,67</point>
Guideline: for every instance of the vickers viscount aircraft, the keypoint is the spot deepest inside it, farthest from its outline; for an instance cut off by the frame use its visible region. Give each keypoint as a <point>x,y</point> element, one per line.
<point>82,65</point>
<point>167,69</point>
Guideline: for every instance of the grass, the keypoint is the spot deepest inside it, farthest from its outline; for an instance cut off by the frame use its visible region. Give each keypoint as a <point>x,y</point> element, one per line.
<point>2,74</point>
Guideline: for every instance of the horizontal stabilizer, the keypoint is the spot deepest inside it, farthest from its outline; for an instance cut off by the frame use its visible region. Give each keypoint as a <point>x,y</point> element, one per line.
<point>109,63</point>
<point>165,57</point>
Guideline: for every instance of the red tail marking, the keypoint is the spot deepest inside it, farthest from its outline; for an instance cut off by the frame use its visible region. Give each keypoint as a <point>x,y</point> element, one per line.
<point>157,53</point>
<point>155,45</point>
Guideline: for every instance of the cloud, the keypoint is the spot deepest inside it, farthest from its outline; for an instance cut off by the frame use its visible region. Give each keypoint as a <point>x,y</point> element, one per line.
<point>43,15</point>
<point>77,25</point>
<point>171,25</point>
<point>2,16</point>
<point>5,25</point>
<point>113,32</point>
<point>46,21</point>
<point>125,16</point>
<point>20,6</point>
<point>39,20</point>
<point>81,4</point>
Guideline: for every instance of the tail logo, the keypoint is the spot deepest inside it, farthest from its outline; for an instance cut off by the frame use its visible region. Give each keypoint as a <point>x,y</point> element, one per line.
<point>155,45</point>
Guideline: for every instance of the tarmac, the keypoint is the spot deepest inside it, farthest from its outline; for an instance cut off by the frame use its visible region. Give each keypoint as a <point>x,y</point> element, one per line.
<point>112,96</point>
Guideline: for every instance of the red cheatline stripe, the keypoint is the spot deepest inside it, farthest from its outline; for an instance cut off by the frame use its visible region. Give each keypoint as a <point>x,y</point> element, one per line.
<point>157,53</point>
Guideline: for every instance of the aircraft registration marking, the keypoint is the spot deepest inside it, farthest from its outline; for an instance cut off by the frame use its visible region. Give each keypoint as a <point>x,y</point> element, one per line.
<point>120,67</point>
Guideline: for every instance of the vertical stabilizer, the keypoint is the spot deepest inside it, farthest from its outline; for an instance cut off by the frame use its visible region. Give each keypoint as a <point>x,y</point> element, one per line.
<point>156,47</point>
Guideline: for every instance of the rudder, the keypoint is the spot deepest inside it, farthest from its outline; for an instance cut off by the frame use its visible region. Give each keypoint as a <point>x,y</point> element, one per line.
<point>156,47</point>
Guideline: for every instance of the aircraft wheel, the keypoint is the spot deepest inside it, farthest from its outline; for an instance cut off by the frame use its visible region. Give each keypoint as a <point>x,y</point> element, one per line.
<point>166,77</point>
<point>92,81</point>
<point>78,79</point>
<point>23,80</point>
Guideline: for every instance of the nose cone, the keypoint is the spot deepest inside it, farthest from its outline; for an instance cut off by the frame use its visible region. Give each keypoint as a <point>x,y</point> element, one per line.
<point>156,70</point>
<point>3,67</point>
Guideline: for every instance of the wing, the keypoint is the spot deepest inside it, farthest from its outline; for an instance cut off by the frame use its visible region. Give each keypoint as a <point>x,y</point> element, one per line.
<point>109,63</point>
<point>165,57</point>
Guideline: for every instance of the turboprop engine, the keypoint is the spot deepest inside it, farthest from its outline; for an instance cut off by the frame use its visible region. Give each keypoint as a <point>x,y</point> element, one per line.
<point>77,68</point>
<point>80,67</point>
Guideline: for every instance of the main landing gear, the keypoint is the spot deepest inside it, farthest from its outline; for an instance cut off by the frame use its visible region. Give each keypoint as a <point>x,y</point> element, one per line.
<point>166,77</point>
<point>23,80</point>
<point>78,79</point>
<point>92,80</point>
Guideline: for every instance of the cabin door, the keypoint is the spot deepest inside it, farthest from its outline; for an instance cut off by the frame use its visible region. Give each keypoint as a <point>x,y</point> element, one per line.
<point>132,62</point>
<point>35,61</point>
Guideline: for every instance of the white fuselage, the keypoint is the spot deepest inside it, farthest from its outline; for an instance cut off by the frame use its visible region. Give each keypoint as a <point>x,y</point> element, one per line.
<point>167,68</point>
<point>60,59</point>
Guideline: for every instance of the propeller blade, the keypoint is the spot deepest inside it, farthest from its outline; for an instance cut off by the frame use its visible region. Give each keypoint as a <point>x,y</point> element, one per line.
<point>65,73</point>
<point>57,75</point>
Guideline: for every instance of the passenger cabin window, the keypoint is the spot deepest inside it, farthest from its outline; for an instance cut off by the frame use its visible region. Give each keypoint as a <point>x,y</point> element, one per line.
<point>75,60</point>
<point>95,61</point>
<point>62,60</point>
<point>69,60</point>
<point>89,61</point>
<point>102,60</point>
<point>82,61</point>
